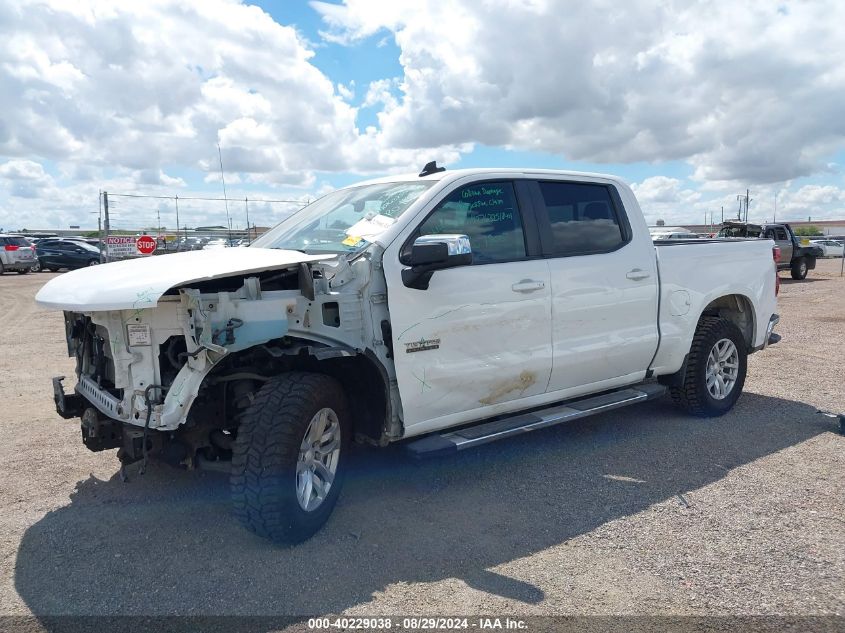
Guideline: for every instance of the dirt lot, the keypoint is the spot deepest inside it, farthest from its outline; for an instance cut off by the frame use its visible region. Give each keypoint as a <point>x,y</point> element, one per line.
<point>641,511</point>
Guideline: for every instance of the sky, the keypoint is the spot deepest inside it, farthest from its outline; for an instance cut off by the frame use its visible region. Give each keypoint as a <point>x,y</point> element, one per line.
<point>691,103</point>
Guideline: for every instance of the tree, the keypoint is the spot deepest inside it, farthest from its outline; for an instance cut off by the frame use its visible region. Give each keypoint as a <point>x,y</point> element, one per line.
<point>811,229</point>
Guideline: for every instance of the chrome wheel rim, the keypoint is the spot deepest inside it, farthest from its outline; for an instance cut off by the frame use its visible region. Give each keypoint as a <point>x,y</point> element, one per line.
<point>722,368</point>
<point>319,454</point>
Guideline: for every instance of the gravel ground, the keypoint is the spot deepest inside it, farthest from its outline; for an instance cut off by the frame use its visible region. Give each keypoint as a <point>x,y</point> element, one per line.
<point>640,511</point>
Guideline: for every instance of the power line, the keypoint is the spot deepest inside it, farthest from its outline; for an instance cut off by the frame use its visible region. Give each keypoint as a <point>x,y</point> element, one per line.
<point>141,195</point>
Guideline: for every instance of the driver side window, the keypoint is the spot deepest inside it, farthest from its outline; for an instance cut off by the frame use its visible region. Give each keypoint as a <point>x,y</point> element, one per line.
<point>488,214</point>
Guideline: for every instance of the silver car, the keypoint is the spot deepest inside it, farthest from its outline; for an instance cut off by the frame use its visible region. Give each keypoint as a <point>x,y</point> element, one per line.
<point>16,253</point>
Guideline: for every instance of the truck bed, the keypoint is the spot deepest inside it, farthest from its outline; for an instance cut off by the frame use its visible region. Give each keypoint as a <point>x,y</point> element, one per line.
<point>694,272</point>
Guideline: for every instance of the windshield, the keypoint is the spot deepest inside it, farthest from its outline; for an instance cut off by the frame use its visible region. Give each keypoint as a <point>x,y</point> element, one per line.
<point>344,221</point>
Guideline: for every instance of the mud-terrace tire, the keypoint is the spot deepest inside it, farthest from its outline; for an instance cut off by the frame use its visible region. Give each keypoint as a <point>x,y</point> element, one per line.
<point>265,453</point>
<point>693,395</point>
<point>799,268</point>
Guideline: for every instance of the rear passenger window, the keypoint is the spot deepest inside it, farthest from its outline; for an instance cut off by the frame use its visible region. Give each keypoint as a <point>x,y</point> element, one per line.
<point>487,213</point>
<point>582,218</point>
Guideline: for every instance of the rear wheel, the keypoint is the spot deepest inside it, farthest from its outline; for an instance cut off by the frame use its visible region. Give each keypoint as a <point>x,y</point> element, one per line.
<point>715,371</point>
<point>94,262</point>
<point>799,268</point>
<point>289,456</point>
<point>24,271</point>
<point>36,267</point>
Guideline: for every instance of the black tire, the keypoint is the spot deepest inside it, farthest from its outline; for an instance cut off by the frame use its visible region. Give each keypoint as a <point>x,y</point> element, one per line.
<point>94,262</point>
<point>799,268</point>
<point>693,395</point>
<point>53,270</point>
<point>266,450</point>
<point>25,271</point>
<point>37,267</point>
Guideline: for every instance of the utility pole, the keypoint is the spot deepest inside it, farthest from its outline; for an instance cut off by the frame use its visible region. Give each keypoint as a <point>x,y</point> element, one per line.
<point>225,197</point>
<point>177,215</point>
<point>106,224</point>
<point>723,214</point>
<point>747,200</point>
<point>246,207</point>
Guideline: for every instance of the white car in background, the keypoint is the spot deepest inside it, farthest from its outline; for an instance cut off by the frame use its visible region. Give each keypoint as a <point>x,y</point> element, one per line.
<point>830,248</point>
<point>215,244</point>
<point>671,233</point>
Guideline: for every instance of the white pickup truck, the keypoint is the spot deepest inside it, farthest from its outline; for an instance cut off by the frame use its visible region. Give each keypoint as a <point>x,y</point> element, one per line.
<point>454,308</point>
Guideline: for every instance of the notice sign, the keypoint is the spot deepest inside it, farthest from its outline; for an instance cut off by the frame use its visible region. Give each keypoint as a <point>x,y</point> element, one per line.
<point>121,246</point>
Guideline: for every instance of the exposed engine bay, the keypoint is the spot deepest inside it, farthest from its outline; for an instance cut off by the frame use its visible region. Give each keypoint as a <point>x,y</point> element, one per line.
<point>175,379</point>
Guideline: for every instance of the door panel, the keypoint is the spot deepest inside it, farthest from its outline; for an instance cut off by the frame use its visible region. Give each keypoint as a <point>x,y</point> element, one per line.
<point>604,286</point>
<point>478,340</point>
<point>604,317</point>
<point>471,341</point>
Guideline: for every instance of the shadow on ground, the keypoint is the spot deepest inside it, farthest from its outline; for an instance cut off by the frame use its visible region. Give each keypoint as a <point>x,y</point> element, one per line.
<point>808,280</point>
<point>165,543</point>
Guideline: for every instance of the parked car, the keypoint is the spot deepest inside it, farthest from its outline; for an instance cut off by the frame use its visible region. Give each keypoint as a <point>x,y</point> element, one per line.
<point>215,244</point>
<point>676,235</point>
<point>55,254</point>
<point>16,254</point>
<point>443,310</point>
<point>830,248</point>
<point>794,256</point>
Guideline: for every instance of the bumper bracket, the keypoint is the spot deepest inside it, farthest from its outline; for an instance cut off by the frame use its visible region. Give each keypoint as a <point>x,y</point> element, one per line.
<point>67,406</point>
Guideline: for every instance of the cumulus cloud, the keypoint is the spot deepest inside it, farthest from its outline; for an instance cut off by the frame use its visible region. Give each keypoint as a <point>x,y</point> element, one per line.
<point>666,199</point>
<point>145,85</point>
<point>748,92</point>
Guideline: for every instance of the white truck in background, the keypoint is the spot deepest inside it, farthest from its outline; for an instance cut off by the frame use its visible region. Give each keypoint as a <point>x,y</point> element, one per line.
<point>442,310</point>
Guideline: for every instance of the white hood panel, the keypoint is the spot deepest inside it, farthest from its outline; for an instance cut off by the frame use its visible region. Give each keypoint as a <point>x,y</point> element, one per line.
<point>139,283</point>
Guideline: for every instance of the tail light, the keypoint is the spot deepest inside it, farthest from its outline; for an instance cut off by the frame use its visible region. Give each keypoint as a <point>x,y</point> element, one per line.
<point>776,257</point>
<point>11,247</point>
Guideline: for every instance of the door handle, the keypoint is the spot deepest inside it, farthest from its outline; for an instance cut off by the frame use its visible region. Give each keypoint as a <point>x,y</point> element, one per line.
<point>528,285</point>
<point>637,273</point>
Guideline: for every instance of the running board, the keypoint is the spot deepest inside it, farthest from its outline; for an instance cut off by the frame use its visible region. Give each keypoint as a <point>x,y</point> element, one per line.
<point>467,437</point>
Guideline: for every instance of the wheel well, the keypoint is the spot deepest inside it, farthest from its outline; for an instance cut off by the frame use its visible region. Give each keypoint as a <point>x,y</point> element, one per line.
<point>739,310</point>
<point>364,382</point>
<point>365,386</point>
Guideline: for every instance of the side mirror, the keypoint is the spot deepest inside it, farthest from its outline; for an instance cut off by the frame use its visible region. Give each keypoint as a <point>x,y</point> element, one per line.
<point>430,253</point>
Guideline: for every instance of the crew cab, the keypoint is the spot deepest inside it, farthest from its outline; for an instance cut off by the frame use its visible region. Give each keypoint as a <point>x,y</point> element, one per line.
<point>796,257</point>
<point>442,310</point>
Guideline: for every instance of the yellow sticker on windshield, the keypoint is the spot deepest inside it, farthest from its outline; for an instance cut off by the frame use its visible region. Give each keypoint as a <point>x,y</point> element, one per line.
<point>352,240</point>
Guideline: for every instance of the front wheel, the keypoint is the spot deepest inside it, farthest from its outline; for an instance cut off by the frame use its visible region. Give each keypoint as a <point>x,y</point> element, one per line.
<point>799,268</point>
<point>36,267</point>
<point>289,456</point>
<point>715,371</point>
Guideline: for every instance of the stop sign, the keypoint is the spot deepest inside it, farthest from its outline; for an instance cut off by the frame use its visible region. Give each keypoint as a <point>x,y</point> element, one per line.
<point>145,245</point>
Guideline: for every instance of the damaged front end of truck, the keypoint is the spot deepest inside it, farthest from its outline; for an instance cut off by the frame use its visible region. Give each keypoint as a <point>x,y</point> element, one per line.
<point>167,367</point>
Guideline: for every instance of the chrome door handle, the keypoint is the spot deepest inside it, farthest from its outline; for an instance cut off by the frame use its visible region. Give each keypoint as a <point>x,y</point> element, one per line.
<point>637,273</point>
<point>528,285</point>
